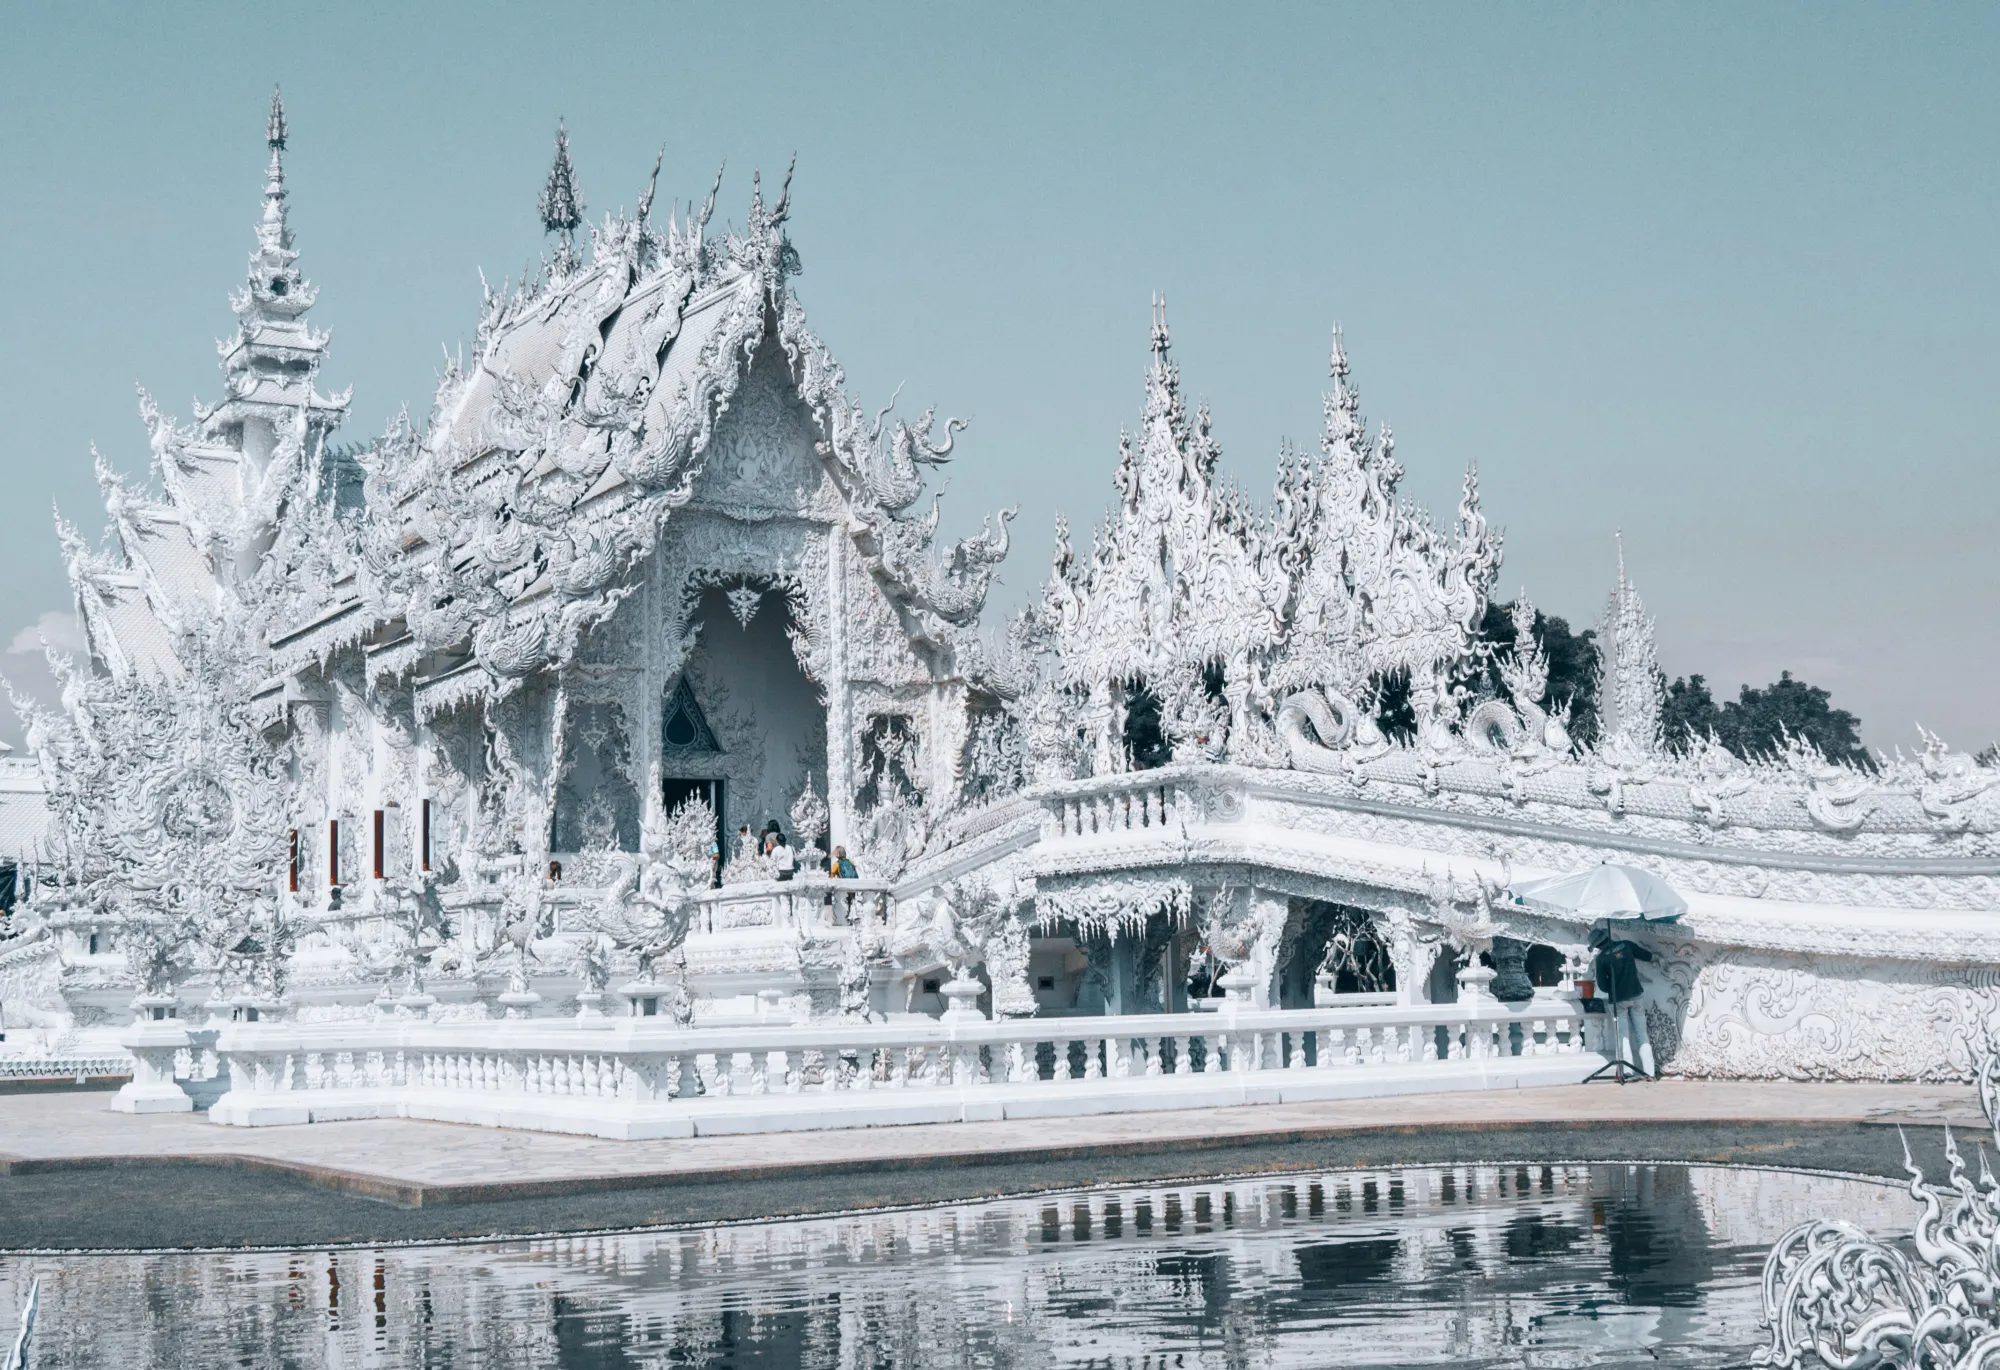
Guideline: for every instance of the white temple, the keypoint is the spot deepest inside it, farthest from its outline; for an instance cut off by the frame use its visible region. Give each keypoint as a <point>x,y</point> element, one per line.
<point>394,768</point>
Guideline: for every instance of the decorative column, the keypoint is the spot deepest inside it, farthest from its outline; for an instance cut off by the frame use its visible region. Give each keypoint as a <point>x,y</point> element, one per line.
<point>1107,752</point>
<point>1269,913</point>
<point>840,737</point>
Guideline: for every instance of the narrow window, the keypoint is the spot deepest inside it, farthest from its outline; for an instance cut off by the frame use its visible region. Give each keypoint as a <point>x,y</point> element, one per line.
<point>427,834</point>
<point>93,944</point>
<point>333,851</point>
<point>378,844</point>
<point>292,881</point>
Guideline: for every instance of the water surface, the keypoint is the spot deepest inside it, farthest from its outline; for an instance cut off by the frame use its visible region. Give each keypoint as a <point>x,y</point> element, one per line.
<point>1614,1265</point>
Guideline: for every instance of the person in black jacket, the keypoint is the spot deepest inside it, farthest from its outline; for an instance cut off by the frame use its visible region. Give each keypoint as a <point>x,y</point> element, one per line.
<point>1617,966</point>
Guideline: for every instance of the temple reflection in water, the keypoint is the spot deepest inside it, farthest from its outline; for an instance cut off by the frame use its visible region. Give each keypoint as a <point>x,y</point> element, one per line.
<point>1488,1265</point>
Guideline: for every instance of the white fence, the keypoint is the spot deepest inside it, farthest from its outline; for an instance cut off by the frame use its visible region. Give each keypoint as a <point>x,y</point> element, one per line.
<point>638,1077</point>
<point>77,1068</point>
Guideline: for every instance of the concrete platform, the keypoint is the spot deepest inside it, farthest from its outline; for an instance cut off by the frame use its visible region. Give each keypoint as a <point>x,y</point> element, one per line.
<point>426,1164</point>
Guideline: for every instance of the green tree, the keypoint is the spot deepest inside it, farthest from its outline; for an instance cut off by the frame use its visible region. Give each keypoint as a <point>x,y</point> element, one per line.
<point>1688,712</point>
<point>1572,665</point>
<point>1757,721</point>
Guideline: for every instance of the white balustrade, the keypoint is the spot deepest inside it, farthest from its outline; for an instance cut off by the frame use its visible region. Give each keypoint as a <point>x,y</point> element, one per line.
<point>809,901</point>
<point>1110,808</point>
<point>647,1077</point>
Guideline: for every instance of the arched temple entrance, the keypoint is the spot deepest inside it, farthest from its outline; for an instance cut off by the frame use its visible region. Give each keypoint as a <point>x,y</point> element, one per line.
<point>741,724</point>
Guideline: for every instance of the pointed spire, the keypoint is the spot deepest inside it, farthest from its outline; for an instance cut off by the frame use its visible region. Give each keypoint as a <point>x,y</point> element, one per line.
<point>273,235</point>
<point>1344,424</point>
<point>268,364</point>
<point>1160,340</point>
<point>559,204</point>
<point>275,289</point>
<point>1630,687</point>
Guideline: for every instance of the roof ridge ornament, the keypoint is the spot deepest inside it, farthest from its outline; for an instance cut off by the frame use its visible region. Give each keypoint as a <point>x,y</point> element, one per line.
<point>652,184</point>
<point>1631,690</point>
<point>560,204</point>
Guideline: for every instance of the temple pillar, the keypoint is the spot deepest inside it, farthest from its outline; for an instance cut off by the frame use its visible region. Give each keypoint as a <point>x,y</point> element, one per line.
<point>842,741</point>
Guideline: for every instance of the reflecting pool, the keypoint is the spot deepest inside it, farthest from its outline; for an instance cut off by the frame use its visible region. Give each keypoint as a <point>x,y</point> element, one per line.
<point>1512,1265</point>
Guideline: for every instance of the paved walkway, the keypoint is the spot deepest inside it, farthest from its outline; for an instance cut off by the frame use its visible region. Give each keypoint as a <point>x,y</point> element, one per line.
<point>76,1177</point>
<point>423,1163</point>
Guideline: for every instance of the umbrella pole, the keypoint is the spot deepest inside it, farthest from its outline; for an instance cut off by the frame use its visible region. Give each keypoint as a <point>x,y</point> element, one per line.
<point>1617,1065</point>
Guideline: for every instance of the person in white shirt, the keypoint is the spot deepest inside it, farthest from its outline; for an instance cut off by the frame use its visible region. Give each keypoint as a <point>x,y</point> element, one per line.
<point>786,859</point>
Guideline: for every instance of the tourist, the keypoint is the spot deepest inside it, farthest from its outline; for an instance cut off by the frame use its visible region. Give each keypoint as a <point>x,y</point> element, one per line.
<point>1617,967</point>
<point>555,872</point>
<point>782,855</point>
<point>840,868</point>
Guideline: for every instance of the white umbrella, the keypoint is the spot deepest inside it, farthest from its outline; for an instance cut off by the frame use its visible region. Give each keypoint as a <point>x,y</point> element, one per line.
<point>1608,891</point>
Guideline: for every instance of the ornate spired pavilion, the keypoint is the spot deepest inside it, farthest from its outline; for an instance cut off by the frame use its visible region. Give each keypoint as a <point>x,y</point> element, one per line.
<point>449,727</point>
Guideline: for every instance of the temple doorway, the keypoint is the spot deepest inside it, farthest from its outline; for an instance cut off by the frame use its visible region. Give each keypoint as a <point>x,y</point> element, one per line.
<point>743,717</point>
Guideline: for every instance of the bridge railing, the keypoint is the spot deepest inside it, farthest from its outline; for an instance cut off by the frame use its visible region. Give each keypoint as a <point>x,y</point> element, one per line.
<point>638,1076</point>
<point>810,900</point>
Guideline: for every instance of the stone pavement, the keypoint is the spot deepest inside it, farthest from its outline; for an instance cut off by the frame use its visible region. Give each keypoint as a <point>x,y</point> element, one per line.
<point>423,1164</point>
<point>76,1177</point>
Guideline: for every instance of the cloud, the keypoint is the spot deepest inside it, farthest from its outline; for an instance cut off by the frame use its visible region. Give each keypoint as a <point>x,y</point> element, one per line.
<point>27,670</point>
<point>62,631</point>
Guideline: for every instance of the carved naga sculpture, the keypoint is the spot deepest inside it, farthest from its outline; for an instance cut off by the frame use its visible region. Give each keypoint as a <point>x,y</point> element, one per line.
<point>1836,1296</point>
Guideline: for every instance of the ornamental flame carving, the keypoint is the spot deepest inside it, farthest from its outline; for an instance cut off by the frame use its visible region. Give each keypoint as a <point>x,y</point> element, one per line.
<point>1836,1296</point>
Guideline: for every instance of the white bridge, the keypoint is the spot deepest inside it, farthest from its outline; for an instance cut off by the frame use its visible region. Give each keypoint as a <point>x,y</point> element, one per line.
<point>633,1077</point>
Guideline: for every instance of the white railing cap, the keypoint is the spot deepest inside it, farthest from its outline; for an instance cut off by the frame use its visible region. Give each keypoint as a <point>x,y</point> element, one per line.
<point>652,1036</point>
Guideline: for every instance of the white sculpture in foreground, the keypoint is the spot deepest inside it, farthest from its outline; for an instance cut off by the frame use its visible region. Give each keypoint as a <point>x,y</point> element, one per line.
<point>1836,1296</point>
<point>434,728</point>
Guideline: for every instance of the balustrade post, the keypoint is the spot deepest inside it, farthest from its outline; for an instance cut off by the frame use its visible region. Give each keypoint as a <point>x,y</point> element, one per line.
<point>967,1070</point>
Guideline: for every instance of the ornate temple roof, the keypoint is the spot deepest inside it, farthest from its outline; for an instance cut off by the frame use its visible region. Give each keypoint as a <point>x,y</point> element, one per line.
<point>225,485</point>
<point>515,523</point>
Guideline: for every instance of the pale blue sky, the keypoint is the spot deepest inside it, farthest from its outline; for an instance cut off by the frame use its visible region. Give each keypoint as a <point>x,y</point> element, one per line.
<point>1725,277</point>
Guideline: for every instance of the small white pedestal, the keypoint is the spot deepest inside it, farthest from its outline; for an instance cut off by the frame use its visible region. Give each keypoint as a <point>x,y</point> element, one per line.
<point>154,1043</point>
<point>1475,985</point>
<point>590,1009</point>
<point>961,997</point>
